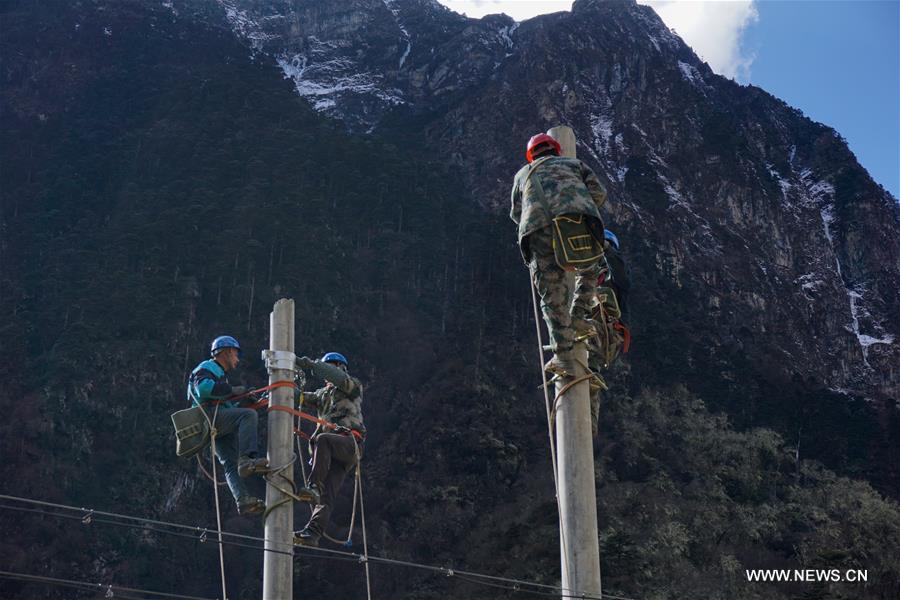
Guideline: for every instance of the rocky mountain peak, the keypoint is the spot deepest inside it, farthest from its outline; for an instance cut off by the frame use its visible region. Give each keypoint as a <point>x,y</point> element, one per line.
<point>728,187</point>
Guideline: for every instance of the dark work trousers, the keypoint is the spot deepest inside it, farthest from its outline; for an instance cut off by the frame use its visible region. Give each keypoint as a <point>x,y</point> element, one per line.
<point>333,457</point>
<point>236,436</point>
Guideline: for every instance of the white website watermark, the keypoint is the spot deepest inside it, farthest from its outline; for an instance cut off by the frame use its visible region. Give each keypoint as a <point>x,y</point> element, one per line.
<point>808,575</point>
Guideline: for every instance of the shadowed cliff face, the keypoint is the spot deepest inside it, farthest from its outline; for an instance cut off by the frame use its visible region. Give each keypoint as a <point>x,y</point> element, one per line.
<point>163,182</point>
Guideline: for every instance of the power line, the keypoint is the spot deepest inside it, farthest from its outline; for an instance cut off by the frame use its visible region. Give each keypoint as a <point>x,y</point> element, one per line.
<point>143,527</point>
<point>111,591</point>
<point>513,585</point>
<point>200,534</point>
<point>88,516</point>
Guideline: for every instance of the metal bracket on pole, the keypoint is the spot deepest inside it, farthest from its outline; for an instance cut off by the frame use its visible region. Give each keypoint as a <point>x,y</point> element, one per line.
<point>279,359</point>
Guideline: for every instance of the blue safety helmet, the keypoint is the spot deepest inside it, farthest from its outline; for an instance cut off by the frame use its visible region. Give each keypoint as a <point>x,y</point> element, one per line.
<point>222,342</point>
<point>336,357</point>
<point>609,235</point>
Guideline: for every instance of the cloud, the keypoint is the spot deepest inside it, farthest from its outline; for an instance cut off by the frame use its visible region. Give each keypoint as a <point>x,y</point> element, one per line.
<point>713,30</point>
<point>517,9</point>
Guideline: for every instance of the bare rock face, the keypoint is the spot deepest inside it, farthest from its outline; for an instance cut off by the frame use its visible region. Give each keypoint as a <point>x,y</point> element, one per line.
<point>762,221</point>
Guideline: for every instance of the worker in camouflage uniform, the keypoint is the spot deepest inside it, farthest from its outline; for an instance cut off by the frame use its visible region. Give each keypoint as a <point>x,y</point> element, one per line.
<point>236,434</point>
<point>335,451</point>
<point>552,186</point>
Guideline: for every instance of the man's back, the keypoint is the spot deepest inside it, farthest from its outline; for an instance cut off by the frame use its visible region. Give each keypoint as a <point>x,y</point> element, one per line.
<point>553,186</point>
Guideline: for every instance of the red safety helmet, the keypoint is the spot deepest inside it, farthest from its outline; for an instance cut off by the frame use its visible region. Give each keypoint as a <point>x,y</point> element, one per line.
<point>538,140</point>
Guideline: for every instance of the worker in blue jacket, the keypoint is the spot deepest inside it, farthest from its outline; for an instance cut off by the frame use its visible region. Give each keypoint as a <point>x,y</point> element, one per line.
<point>236,433</point>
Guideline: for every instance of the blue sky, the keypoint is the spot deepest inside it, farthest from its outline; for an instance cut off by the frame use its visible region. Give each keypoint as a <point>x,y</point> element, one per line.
<point>836,60</point>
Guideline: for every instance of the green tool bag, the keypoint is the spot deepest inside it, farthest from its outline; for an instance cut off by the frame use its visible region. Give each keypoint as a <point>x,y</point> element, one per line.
<point>191,431</point>
<point>574,242</point>
<point>614,337</point>
<point>609,302</point>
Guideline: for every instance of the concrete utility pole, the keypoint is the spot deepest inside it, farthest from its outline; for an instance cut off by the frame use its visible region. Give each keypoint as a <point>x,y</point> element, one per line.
<point>566,138</point>
<point>278,572</point>
<point>580,547</point>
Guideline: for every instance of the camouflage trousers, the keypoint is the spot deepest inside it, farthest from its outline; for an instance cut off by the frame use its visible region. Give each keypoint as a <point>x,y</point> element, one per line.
<point>560,304</point>
<point>595,364</point>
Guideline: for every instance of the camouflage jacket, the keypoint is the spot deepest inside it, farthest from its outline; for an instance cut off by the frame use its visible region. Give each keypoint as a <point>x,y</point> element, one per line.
<point>557,186</point>
<point>339,402</point>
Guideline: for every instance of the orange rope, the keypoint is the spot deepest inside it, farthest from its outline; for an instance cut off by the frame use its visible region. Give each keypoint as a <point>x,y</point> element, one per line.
<point>309,417</point>
<point>626,335</point>
<point>272,386</point>
<point>287,409</point>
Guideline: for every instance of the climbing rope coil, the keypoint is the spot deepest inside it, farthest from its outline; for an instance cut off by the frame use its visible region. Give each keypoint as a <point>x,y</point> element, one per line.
<point>212,446</point>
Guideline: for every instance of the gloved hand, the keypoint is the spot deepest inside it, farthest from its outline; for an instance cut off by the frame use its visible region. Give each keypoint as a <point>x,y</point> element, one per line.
<point>305,362</point>
<point>238,390</point>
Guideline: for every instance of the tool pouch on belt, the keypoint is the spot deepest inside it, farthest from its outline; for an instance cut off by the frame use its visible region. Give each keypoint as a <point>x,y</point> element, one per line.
<point>574,242</point>
<point>609,302</point>
<point>614,337</point>
<point>191,431</point>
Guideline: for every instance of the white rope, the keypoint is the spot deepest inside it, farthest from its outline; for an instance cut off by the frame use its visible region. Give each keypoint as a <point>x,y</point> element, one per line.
<point>205,472</point>
<point>551,410</point>
<point>300,449</point>
<point>212,433</point>
<point>357,493</point>
<point>362,512</point>
<point>356,484</point>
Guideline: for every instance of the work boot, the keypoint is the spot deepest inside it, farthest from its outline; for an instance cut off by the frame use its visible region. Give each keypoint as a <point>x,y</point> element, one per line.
<point>250,505</point>
<point>247,466</point>
<point>307,537</point>
<point>310,495</point>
